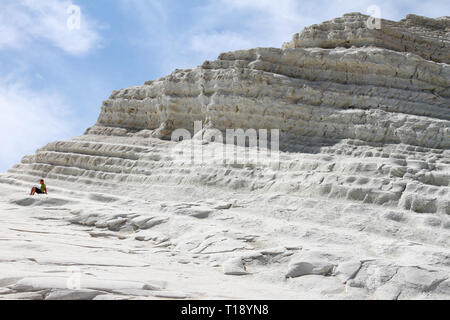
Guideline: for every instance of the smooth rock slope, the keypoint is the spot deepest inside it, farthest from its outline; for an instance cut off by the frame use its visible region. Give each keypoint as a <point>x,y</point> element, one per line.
<point>356,206</point>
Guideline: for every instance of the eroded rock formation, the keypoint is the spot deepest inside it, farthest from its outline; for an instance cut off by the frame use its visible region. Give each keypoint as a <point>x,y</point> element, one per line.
<point>364,116</point>
<point>379,113</point>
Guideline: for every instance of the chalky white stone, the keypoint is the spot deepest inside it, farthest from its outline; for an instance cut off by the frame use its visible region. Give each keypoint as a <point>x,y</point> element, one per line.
<point>357,207</point>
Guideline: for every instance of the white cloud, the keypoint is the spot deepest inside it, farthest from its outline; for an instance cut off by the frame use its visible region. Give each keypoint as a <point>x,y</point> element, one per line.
<point>25,21</point>
<point>150,10</point>
<point>250,23</point>
<point>29,120</point>
<point>208,43</point>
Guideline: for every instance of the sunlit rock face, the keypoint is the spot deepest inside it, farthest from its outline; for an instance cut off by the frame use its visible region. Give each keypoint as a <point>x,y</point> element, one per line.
<point>378,100</point>
<point>425,37</point>
<point>362,176</point>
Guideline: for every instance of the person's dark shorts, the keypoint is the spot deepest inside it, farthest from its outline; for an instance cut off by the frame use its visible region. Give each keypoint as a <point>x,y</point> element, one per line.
<point>39,191</point>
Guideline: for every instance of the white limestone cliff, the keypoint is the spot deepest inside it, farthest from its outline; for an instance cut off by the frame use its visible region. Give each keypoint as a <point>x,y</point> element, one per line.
<point>357,207</point>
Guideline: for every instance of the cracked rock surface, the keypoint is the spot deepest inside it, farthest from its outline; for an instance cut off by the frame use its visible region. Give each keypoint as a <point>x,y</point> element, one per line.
<point>356,207</point>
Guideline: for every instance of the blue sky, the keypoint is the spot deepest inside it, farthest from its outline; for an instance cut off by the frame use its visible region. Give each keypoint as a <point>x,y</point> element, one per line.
<point>53,79</point>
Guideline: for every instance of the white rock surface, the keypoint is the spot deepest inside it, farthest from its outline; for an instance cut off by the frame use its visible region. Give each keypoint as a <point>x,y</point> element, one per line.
<point>235,267</point>
<point>358,206</point>
<point>309,263</point>
<point>420,35</point>
<point>347,270</point>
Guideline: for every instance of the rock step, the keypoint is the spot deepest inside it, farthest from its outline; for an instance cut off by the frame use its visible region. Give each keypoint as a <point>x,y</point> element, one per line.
<point>427,171</point>
<point>437,175</point>
<point>347,147</point>
<point>381,191</point>
<point>312,93</point>
<point>414,170</point>
<point>349,66</point>
<point>234,110</point>
<point>423,36</point>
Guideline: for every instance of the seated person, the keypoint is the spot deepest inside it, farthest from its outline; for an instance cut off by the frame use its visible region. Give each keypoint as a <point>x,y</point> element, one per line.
<point>41,190</point>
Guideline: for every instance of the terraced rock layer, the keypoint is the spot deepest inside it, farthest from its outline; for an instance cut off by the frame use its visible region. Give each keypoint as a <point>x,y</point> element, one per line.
<point>372,124</point>
<point>422,36</point>
<point>364,117</point>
